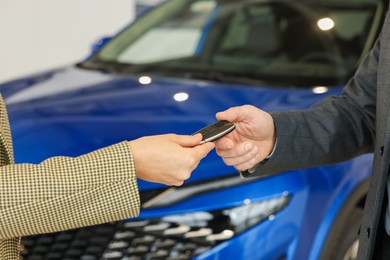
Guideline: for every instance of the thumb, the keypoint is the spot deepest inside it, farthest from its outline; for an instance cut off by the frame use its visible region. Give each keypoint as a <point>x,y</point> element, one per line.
<point>188,140</point>
<point>202,150</point>
<point>232,114</point>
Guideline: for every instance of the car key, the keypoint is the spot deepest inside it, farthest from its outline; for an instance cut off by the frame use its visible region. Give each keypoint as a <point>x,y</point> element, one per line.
<point>215,131</point>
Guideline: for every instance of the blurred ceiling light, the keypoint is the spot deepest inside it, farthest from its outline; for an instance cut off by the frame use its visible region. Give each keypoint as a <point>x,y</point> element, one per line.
<point>320,89</point>
<point>181,96</point>
<point>325,24</point>
<point>145,80</point>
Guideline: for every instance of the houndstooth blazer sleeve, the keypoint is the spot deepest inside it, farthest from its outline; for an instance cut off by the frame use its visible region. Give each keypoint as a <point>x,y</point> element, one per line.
<point>62,193</point>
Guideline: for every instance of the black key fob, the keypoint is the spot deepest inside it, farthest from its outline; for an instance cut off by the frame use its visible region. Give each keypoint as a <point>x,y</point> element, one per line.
<point>215,131</point>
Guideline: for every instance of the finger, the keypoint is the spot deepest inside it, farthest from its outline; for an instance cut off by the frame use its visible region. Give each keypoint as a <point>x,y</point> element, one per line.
<point>230,114</point>
<point>224,143</point>
<point>233,114</point>
<point>177,183</point>
<point>201,151</point>
<point>188,140</point>
<point>238,150</point>
<point>247,165</point>
<point>242,159</point>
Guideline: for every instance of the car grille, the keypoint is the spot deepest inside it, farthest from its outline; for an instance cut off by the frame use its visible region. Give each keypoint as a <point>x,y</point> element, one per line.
<point>120,240</point>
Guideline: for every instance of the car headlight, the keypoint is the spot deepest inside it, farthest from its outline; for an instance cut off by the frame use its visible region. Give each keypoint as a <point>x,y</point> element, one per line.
<point>188,235</point>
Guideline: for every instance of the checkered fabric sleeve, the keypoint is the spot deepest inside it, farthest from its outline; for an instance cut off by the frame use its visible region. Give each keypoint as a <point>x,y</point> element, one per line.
<point>64,193</point>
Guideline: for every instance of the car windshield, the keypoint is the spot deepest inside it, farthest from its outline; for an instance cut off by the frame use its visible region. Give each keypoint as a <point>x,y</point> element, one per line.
<point>302,43</point>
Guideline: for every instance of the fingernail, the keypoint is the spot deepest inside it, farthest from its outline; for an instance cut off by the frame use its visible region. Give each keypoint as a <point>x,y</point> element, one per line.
<point>248,147</point>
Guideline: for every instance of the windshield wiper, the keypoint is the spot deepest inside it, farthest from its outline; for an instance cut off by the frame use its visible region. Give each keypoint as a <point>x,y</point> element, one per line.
<point>177,70</point>
<point>105,67</point>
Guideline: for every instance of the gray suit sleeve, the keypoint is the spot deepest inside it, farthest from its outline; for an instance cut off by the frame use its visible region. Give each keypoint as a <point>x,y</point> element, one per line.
<point>336,129</point>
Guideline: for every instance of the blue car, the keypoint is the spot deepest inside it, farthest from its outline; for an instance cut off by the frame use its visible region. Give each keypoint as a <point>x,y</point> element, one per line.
<point>170,72</point>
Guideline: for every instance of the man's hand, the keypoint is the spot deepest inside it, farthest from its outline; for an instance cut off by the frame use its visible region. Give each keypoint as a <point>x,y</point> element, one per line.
<point>251,142</point>
<point>168,159</point>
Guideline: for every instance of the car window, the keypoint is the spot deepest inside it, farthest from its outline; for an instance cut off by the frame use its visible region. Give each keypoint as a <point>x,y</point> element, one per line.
<point>177,36</point>
<point>279,41</point>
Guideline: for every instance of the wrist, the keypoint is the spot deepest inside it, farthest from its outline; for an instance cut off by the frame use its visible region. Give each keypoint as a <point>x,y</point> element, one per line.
<point>134,152</point>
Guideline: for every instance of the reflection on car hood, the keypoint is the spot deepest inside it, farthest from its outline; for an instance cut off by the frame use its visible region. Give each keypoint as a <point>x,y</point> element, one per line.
<point>71,111</point>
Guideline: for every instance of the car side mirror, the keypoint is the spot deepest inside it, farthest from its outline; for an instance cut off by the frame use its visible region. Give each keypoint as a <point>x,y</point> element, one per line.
<point>96,46</point>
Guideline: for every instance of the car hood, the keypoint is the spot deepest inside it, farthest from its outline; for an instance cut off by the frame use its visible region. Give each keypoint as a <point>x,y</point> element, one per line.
<point>71,111</point>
